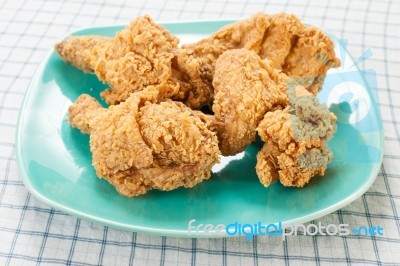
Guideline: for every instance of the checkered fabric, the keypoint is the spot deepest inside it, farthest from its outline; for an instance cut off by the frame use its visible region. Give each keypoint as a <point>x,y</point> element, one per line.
<point>33,233</point>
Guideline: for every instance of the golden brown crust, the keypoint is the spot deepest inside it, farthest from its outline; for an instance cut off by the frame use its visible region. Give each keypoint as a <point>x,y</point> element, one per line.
<point>278,158</point>
<point>142,54</point>
<point>195,79</point>
<point>245,89</point>
<point>298,50</point>
<point>84,112</point>
<point>138,56</point>
<point>279,38</point>
<point>247,33</point>
<point>292,158</point>
<point>141,144</point>
<point>80,51</point>
<point>310,59</point>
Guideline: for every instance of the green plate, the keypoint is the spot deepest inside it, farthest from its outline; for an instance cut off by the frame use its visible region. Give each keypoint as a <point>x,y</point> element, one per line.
<point>55,161</point>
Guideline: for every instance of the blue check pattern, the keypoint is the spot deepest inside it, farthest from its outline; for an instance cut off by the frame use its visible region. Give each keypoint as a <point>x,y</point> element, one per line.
<point>31,233</point>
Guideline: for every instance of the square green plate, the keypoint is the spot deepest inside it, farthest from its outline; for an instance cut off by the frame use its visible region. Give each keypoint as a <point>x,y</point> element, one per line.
<point>55,161</point>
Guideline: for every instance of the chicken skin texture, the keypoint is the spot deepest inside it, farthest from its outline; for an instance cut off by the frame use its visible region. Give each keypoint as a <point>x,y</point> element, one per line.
<point>310,58</point>
<point>143,144</point>
<point>142,54</point>
<point>298,50</point>
<point>245,89</point>
<point>138,56</point>
<point>295,148</point>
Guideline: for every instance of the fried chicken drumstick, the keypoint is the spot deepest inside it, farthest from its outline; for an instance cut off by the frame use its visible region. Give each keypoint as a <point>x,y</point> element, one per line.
<point>144,144</point>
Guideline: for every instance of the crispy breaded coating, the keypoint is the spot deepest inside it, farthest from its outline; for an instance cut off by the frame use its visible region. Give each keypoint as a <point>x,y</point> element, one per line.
<point>138,56</point>
<point>280,38</point>
<point>245,89</point>
<point>81,51</point>
<point>195,78</point>
<point>295,139</point>
<point>248,33</point>
<point>142,143</point>
<point>142,54</point>
<point>311,57</point>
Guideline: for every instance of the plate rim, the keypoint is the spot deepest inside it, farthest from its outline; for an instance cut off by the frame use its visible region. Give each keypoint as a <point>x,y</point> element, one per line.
<point>177,232</point>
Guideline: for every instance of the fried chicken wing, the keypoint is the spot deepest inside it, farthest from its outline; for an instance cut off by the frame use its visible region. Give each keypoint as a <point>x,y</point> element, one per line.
<point>245,89</point>
<point>143,143</point>
<point>295,139</point>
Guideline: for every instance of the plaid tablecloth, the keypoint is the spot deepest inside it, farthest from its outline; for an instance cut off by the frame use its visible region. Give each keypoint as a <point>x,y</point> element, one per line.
<point>33,233</point>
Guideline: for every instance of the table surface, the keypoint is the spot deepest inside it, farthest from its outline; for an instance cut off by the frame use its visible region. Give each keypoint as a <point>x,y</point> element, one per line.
<point>33,233</point>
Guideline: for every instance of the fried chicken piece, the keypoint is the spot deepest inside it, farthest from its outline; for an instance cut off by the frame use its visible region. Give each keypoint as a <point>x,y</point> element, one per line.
<point>245,89</point>
<point>142,143</point>
<point>280,38</point>
<point>295,139</point>
<point>142,54</point>
<point>269,36</point>
<point>138,56</point>
<point>311,57</point>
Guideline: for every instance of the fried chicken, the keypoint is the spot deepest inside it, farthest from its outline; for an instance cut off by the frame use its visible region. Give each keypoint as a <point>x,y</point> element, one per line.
<point>142,54</point>
<point>295,126</point>
<point>144,144</point>
<point>295,139</point>
<point>310,58</point>
<point>300,51</point>
<point>245,89</point>
<point>258,75</point>
<point>138,56</point>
